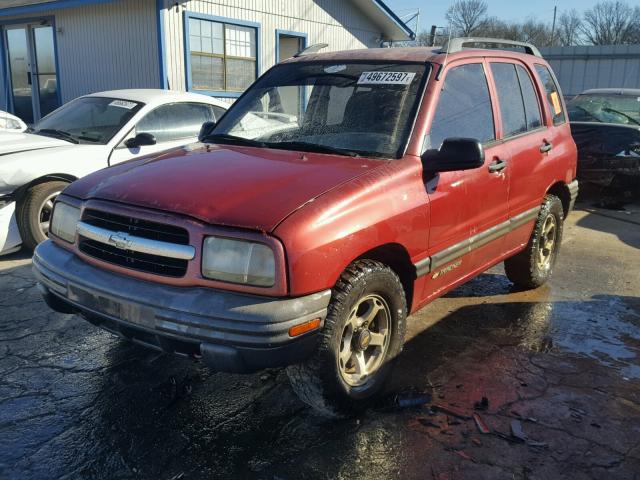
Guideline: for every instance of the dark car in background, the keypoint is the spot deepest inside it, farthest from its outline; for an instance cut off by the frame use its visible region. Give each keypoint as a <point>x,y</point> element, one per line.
<point>605,124</point>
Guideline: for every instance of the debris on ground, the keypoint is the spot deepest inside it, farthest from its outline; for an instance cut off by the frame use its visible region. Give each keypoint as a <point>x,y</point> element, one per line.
<point>464,455</point>
<point>450,411</point>
<point>533,443</point>
<point>482,405</point>
<point>427,423</point>
<point>517,431</point>
<point>406,398</point>
<point>412,399</point>
<point>480,423</point>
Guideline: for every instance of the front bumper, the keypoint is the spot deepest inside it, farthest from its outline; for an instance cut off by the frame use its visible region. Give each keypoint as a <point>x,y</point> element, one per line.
<point>10,240</point>
<point>232,332</point>
<point>573,194</point>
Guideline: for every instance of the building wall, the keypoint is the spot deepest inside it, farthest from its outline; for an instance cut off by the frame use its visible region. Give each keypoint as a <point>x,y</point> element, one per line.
<point>583,67</point>
<point>336,22</point>
<point>103,47</point>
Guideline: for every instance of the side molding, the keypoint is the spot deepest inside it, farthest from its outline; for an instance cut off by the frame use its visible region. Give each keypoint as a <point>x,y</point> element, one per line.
<point>443,257</point>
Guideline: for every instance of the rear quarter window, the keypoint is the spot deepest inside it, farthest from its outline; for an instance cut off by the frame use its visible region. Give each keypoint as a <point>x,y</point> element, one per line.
<point>552,94</point>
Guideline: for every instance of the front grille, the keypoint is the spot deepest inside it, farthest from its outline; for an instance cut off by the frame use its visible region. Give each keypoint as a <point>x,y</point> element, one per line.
<point>136,226</point>
<point>144,262</point>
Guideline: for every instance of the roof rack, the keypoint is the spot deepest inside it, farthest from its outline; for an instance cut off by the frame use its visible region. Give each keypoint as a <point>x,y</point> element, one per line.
<point>458,44</point>
<point>315,48</point>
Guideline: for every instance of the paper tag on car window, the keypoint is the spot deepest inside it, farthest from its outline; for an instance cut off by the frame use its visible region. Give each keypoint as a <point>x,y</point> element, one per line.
<point>386,78</point>
<point>123,104</point>
<point>335,68</point>
<point>555,100</point>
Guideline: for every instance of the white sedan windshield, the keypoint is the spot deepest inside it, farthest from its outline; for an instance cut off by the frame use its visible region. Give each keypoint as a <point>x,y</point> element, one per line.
<point>88,119</point>
<point>357,108</point>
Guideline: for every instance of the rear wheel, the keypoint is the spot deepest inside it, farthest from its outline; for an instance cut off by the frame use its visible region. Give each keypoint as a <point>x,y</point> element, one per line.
<point>363,334</point>
<point>34,213</point>
<point>533,266</point>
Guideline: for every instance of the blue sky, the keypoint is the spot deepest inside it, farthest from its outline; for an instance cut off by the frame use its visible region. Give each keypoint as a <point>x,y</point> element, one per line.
<point>432,12</point>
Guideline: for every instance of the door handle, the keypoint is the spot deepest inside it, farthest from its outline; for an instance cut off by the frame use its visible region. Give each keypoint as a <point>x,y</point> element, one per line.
<point>497,165</point>
<point>29,78</point>
<point>546,147</point>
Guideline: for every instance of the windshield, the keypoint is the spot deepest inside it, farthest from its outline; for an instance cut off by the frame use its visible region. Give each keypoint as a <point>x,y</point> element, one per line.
<point>605,108</point>
<point>92,120</point>
<point>345,108</point>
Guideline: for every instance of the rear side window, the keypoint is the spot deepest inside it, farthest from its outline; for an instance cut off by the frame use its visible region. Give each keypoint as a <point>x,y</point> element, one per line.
<point>531,104</point>
<point>552,94</point>
<point>514,120</point>
<point>464,109</point>
<point>175,121</point>
<point>217,112</point>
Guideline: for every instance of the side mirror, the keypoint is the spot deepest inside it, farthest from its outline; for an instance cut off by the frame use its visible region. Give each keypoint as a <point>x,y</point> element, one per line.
<point>141,140</point>
<point>205,130</point>
<point>454,154</point>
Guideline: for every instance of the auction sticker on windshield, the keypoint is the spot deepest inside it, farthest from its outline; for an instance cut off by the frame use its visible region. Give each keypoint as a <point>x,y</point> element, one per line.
<point>123,104</point>
<point>386,78</point>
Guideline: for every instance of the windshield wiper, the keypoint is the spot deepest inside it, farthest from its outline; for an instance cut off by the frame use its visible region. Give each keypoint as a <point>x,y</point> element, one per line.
<point>232,139</point>
<point>88,139</point>
<point>607,109</point>
<point>313,147</point>
<point>52,132</point>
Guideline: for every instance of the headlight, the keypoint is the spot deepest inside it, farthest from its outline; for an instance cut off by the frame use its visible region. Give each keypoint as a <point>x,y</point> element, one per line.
<point>64,221</point>
<point>238,261</point>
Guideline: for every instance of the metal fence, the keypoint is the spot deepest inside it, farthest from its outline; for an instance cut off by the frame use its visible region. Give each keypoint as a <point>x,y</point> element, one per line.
<point>584,67</point>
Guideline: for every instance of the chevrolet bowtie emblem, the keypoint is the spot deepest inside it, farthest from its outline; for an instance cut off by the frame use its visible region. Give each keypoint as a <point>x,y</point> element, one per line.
<point>120,240</point>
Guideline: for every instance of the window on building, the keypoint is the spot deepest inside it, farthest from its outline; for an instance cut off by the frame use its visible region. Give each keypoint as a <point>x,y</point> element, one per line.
<point>223,56</point>
<point>553,95</point>
<point>176,121</point>
<point>464,108</point>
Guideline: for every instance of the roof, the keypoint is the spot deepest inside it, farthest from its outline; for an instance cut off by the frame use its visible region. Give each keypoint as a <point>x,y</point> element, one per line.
<point>391,26</point>
<point>410,54</point>
<point>614,91</point>
<point>151,96</point>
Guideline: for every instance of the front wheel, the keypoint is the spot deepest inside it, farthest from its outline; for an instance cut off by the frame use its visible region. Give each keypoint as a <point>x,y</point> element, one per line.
<point>34,213</point>
<point>533,266</point>
<point>363,334</point>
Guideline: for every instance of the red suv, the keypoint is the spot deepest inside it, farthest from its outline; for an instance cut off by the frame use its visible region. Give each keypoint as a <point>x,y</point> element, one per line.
<point>340,193</point>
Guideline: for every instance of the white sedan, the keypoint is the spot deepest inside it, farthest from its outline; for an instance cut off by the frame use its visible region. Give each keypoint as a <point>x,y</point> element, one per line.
<point>82,136</point>
<point>11,123</point>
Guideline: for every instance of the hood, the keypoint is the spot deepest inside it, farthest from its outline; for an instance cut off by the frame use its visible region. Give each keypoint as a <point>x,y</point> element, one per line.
<point>21,167</point>
<point>21,142</point>
<point>224,185</point>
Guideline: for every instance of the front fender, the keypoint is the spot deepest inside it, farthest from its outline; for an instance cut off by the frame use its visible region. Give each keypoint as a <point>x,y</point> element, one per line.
<point>386,206</point>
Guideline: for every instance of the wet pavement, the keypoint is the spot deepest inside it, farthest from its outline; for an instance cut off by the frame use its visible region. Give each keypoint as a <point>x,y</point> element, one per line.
<point>563,361</point>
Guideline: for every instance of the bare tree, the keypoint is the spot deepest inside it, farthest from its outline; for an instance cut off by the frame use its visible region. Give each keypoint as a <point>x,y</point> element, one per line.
<point>466,16</point>
<point>569,28</point>
<point>634,34</point>
<point>493,27</point>
<point>610,23</point>
<point>538,33</point>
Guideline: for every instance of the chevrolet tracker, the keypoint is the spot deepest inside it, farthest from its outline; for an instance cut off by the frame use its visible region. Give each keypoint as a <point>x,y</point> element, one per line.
<point>340,193</point>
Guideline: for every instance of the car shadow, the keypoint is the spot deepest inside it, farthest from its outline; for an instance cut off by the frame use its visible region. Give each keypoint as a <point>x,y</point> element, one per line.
<point>22,254</point>
<point>611,222</point>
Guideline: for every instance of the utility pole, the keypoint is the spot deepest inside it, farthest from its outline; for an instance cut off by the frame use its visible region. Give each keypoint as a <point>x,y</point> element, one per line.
<point>553,25</point>
<point>432,36</point>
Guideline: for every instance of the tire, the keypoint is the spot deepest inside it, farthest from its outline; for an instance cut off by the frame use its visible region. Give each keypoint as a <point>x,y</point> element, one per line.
<point>533,266</point>
<point>36,206</point>
<point>331,383</point>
